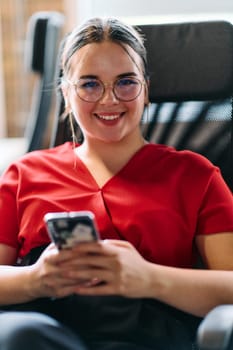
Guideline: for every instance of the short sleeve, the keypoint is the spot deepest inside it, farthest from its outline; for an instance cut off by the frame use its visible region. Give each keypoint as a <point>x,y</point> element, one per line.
<point>216,211</point>
<point>8,207</point>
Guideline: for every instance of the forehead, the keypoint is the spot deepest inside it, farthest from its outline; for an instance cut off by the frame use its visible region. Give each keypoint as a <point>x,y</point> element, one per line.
<point>105,57</point>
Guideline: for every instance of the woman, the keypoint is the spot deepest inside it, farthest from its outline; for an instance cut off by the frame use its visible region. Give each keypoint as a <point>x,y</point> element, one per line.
<point>137,287</point>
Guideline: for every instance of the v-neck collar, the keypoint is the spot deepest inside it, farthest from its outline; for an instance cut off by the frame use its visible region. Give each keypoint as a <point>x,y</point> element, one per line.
<point>80,165</point>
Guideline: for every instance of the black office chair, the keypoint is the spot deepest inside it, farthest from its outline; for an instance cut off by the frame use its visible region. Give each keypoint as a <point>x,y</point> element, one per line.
<point>191,88</point>
<point>191,71</point>
<point>43,37</point>
<point>191,75</point>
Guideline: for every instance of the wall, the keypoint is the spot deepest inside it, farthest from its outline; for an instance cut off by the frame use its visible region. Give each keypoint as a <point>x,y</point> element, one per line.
<point>156,10</point>
<point>153,7</point>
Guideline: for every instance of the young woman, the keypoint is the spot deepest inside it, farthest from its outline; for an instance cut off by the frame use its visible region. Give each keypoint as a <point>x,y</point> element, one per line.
<point>137,287</point>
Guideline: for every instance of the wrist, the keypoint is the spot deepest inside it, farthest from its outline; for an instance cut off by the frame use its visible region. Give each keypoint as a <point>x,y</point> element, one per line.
<point>157,282</point>
<point>31,288</point>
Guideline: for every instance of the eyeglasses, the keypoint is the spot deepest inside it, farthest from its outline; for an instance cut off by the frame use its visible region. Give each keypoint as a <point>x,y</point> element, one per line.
<point>92,90</point>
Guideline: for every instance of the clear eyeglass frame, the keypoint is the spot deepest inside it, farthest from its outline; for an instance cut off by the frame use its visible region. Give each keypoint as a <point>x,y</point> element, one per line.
<point>101,88</point>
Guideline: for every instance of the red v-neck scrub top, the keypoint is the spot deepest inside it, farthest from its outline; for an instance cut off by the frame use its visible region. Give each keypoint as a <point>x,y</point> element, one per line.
<point>159,201</point>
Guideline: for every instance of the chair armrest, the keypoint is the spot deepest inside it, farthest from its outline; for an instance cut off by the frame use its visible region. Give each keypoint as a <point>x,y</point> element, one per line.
<point>216,330</point>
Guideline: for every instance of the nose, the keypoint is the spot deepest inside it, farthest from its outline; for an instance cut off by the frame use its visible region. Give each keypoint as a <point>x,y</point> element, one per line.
<point>108,95</point>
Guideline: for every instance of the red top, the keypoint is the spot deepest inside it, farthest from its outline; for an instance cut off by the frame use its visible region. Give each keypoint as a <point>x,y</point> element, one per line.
<point>158,201</point>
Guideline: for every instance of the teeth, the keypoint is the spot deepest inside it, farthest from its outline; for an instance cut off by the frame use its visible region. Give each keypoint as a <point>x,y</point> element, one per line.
<point>108,117</point>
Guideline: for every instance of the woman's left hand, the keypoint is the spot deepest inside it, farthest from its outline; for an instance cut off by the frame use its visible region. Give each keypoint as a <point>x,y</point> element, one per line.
<point>111,267</point>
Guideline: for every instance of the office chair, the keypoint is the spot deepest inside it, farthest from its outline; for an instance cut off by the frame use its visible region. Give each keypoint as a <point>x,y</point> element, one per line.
<point>43,36</point>
<point>191,78</point>
<point>191,87</point>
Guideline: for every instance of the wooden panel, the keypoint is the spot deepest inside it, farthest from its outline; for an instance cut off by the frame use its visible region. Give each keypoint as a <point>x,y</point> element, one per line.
<point>2,99</point>
<point>18,82</point>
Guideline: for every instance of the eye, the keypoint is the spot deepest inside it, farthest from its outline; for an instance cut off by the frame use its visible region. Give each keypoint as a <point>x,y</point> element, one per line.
<point>88,84</point>
<point>127,82</point>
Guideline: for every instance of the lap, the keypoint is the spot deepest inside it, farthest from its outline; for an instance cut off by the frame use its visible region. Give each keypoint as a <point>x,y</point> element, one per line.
<point>117,346</point>
<point>19,329</point>
<point>119,323</point>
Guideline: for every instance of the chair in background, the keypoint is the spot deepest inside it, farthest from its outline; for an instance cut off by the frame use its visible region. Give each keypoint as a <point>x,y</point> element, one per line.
<point>191,76</point>
<point>191,87</point>
<point>43,36</point>
<point>191,72</point>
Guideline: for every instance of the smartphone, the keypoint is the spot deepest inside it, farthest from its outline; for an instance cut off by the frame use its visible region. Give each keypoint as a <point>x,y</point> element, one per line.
<point>67,229</point>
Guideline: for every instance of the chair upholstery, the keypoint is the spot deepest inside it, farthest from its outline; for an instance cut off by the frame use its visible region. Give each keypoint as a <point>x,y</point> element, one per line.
<point>216,330</point>
<point>189,61</point>
<point>43,36</point>
<point>191,85</point>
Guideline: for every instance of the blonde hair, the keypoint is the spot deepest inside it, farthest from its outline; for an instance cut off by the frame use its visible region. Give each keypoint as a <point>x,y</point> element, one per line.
<point>97,30</point>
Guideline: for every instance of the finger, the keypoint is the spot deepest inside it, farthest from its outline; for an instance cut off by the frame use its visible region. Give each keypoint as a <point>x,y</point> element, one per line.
<point>54,285</point>
<point>57,257</point>
<point>88,262</point>
<point>91,283</point>
<point>117,243</point>
<point>100,289</point>
<point>94,248</point>
<point>90,274</point>
<point>63,291</point>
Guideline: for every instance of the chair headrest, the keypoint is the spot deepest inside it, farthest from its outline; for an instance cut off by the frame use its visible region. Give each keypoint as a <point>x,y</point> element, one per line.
<point>189,61</point>
<point>40,25</point>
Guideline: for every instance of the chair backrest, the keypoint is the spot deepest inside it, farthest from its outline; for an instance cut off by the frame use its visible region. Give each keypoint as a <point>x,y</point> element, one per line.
<point>43,37</point>
<point>191,86</point>
<point>191,78</point>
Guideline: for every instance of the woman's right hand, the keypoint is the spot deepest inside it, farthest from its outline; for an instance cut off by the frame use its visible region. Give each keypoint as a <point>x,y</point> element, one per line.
<point>47,274</point>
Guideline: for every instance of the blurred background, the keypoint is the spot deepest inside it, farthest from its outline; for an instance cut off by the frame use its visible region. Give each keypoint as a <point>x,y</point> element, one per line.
<point>16,82</point>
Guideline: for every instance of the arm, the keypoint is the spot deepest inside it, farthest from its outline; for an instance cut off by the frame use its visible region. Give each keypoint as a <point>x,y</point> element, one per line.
<point>199,291</point>
<point>124,272</point>
<point>14,281</point>
<point>42,279</point>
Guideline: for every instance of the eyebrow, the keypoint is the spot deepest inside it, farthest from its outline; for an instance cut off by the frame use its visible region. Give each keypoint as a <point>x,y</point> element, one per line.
<point>91,76</point>
<point>128,74</point>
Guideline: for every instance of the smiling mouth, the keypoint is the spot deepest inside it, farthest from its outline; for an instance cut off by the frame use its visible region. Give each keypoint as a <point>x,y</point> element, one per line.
<point>109,117</point>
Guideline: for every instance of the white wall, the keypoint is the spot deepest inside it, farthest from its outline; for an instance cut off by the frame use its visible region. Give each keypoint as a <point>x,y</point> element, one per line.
<point>156,10</point>
<point>153,7</point>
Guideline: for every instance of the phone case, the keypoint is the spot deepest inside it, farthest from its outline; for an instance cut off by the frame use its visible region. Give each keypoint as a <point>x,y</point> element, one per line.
<point>67,229</point>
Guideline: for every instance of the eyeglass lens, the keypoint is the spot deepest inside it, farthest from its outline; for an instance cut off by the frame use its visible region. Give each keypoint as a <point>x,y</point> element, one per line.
<point>124,89</point>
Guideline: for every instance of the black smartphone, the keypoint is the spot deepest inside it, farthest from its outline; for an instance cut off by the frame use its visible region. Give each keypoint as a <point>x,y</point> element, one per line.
<point>67,229</point>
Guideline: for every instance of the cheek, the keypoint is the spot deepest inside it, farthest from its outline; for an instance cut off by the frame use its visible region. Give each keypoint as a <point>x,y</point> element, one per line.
<point>137,106</point>
<point>81,110</point>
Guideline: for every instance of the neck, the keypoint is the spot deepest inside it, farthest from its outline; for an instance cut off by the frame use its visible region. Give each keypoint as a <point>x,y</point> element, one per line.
<point>111,152</point>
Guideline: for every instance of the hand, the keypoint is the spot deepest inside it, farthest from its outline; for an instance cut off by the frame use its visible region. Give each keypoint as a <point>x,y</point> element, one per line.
<point>51,275</point>
<point>112,267</point>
